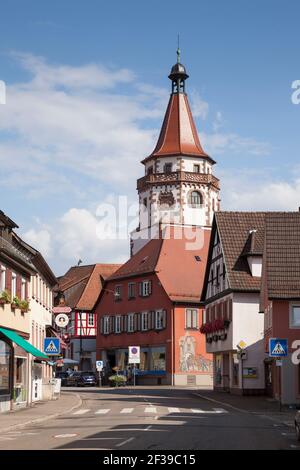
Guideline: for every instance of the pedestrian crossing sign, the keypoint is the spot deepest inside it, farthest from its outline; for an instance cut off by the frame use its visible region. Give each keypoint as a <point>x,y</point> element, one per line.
<point>278,347</point>
<point>52,346</point>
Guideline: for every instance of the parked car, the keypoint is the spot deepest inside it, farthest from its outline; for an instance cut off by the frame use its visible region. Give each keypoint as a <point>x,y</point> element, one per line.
<point>297,425</point>
<point>82,378</point>
<point>64,376</point>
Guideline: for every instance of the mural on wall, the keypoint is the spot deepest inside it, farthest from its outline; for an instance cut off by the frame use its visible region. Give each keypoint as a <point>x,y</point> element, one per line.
<point>189,361</point>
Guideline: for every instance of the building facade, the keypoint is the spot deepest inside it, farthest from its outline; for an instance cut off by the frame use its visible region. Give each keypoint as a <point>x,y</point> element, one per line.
<point>20,346</point>
<point>280,303</point>
<point>233,325</point>
<point>153,303</point>
<point>80,288</point>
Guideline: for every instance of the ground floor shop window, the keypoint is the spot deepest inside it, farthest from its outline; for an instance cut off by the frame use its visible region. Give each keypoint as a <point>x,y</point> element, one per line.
<point>5,367</point>
<point>151,360</point>
<point>20,379</point>
<point>158,359</point>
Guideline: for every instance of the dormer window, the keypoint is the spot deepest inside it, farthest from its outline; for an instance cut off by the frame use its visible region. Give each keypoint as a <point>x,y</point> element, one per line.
<point>196,168</point>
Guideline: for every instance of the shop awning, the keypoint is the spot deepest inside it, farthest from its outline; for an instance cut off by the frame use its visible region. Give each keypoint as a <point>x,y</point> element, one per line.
<point>13,336</point>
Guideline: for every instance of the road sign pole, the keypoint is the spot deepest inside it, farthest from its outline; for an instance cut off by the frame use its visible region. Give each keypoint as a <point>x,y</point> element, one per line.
<point>134,374</point>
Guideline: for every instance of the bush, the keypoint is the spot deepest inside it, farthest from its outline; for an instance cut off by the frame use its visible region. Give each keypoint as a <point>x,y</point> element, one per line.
<point>117,380</point>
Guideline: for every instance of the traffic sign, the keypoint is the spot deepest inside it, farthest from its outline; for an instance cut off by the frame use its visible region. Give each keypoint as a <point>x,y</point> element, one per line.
<point>99,366</point>
<point>278,347</point>
<point>62,320</point>
<point>61,309</point>
<point>52,346</point>
<point>134,355</point>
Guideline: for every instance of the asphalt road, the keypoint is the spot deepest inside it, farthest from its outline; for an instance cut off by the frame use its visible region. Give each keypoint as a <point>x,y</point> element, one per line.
<point>151,419</point>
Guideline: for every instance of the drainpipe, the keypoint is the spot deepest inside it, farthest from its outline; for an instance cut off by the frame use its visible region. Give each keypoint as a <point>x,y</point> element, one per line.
<point>173,345</point>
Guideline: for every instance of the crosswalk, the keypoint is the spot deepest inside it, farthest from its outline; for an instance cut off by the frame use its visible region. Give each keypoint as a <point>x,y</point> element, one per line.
<point>152,410</point>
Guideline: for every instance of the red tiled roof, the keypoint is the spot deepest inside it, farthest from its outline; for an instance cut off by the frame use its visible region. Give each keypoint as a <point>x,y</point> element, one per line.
<point>82,284</point>
<point>282,255</point>
<point>94,285</point>
<point>234,232</point>
<point>178,135</point>
<point>174,262</point>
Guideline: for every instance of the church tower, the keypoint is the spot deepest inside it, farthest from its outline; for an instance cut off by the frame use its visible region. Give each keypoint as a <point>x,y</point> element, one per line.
<point>178,188</point>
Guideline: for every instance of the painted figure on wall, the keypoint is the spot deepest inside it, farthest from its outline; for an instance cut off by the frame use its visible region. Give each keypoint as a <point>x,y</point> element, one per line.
<point>190,361</point>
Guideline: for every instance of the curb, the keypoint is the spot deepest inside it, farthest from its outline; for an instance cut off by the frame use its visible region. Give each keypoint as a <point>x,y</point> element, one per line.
<point>45,418</point>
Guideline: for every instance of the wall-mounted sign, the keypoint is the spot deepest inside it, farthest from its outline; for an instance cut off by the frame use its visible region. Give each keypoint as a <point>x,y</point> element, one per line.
<point>52,346</point>
<point>62,320</point>
<point>250,373</point>
<point>61,309</point>
<point>278,347</point>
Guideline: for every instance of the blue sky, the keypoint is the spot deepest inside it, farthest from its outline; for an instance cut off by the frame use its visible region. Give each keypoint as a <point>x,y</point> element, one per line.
<point>87,89</point>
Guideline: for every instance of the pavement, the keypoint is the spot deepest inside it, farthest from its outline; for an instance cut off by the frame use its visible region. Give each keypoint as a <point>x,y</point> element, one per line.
<point>40,411</point>
<point>155,418</point>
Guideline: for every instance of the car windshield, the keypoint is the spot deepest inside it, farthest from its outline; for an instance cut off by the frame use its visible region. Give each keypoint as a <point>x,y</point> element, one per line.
<point>87,374</point>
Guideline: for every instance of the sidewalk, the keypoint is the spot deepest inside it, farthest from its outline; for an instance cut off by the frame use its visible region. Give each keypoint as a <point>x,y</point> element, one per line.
<point>39,412</point>
<point>260,405</point>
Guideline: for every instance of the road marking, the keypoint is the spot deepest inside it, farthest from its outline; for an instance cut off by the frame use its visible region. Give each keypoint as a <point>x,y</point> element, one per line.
<point>148,428</point>
<point>150,409</point>
<point>214,411</point>
<point>220,410</point>
<point>173,410</point>
<point>127,410</point>
<point>63,436</point>
<point>81,412</point>
<point>125,442</point>
<point>102,411</point>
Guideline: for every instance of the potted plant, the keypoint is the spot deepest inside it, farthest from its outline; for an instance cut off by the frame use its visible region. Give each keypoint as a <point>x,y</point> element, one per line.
<point>15,302</point>
<point>24,306</point>
<point>117,380</point>
<point>5,297</point>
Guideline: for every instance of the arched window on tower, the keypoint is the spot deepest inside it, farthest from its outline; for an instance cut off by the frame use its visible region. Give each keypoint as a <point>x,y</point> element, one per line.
<point>195,199</point>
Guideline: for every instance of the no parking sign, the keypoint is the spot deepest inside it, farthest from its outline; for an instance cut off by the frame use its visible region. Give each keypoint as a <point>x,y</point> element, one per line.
<point>134,355</point>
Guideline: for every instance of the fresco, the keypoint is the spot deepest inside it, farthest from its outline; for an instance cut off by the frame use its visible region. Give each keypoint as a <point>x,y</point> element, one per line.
<point>189,361</point>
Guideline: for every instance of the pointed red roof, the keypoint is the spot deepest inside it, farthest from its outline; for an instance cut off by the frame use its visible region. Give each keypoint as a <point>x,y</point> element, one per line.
<point>178,135</point>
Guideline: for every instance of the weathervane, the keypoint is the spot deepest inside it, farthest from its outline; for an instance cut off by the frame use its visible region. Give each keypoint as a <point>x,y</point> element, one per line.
<point>178,50</point>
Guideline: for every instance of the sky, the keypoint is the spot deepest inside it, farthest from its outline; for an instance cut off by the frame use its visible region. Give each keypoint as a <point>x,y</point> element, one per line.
<point>86,92</point>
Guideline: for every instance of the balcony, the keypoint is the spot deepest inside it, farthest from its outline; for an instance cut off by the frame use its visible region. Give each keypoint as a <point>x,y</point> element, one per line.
<point>176,177</point>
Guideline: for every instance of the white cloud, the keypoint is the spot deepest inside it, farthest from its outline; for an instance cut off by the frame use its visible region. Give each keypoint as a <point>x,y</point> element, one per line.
<point>73,236</point>
<point>252,190</point>
<point>220,142</point>
<point>41,240</point>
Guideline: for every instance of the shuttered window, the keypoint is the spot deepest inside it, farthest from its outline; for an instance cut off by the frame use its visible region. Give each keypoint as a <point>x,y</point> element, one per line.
<point>145,288</point>
<point>2,278</point>
<point>191,319</point>
<point>118,324</point>
<point>130,323</point>
<point>105,325</point>
<point>145,320</point>
<point>160,319</point>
